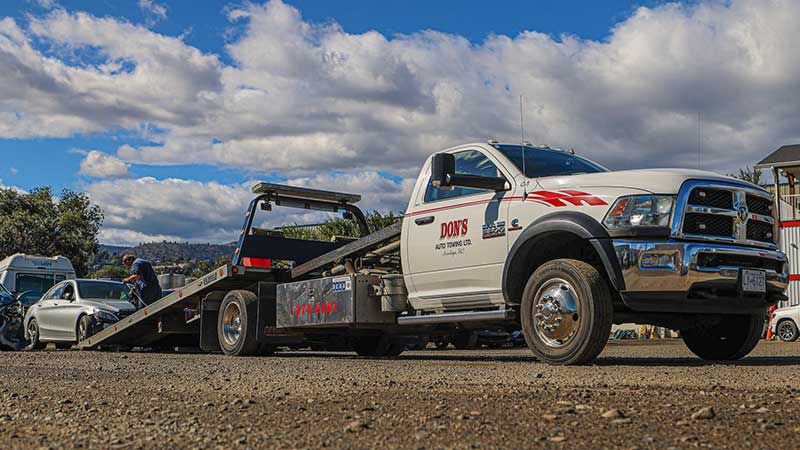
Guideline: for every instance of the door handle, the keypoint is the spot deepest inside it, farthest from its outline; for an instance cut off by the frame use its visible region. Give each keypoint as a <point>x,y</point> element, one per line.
<point>424,220</point>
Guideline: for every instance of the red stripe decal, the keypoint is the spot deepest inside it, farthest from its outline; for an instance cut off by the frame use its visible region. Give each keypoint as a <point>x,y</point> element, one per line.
<point>790,223</point>
<point>794,277</point>
<point>547,198</point>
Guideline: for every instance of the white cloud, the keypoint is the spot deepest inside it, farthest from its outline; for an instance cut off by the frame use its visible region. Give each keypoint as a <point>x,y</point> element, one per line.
<point>13,170</point>
<point>304,98</point>
<point>154,11</point>
<point>100,165</point>
<point>147,209</point>
<point>13,188</point>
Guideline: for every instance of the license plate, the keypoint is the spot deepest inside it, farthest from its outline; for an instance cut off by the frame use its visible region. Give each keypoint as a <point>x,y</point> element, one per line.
<point>754,281</point>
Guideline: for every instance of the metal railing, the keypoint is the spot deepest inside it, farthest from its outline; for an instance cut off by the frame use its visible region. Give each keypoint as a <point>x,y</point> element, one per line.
<point>790,207</point>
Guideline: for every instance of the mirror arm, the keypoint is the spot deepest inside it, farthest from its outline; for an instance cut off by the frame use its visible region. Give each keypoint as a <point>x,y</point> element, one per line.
<point>478,182</point>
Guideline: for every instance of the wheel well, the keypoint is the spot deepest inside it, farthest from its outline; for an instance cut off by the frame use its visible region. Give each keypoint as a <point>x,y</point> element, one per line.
<point>543,248</point>
<point>784,319</point>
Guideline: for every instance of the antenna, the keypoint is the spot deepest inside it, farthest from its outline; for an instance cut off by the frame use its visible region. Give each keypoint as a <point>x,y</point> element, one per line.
<point>522,133</point>
<point>699,137</point>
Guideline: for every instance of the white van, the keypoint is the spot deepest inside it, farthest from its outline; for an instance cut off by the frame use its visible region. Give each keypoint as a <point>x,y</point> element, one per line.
<point>20,273</point>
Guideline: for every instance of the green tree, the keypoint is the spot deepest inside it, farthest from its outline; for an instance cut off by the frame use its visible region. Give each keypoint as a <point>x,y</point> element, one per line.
<point>747,174</point>
<point>340,227</point>
<point>38,223</point>
<point>112,272</point>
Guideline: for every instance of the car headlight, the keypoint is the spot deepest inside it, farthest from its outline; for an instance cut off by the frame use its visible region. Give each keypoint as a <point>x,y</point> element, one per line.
<point>640,211</point>
<point>106,316</point>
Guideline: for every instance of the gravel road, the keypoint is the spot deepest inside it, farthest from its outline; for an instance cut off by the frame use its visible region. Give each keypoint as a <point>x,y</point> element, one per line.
<point>637,395</point>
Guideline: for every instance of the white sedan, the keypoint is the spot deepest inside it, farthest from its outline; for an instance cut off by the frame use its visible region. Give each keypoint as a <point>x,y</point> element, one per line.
<point>73,310</point>
<point>784,323</point>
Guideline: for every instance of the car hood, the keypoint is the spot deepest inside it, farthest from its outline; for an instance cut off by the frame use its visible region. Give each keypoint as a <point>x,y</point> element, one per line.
<point>656,181</point>
<point>112,306</point>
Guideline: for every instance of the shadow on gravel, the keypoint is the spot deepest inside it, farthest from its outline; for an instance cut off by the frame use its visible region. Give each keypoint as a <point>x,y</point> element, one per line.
<point>754,361</point>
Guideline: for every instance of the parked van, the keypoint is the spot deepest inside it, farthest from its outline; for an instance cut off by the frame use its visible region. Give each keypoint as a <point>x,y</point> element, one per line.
<point>21,273</point>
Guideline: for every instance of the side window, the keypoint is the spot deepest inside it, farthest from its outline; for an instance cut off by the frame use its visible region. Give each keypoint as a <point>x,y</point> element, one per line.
<point>54,293</point>
<point>470,162</point>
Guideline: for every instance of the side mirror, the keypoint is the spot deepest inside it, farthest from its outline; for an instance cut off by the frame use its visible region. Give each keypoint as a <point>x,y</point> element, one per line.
<point>443,176</point>
<point>443,167</point>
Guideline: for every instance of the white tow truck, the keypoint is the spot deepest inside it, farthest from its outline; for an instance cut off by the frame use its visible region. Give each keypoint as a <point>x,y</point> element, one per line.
<point>495,235</point>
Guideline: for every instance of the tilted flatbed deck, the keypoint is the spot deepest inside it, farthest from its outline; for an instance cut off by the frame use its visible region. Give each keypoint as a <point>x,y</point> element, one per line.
<point>141,328</point>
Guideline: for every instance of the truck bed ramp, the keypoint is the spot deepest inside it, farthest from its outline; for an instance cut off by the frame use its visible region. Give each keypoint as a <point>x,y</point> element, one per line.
<point>142,327</point>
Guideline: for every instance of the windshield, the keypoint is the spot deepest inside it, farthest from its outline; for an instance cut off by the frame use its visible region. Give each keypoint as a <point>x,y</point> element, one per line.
<point>546,162</point>
<point>102,290</point>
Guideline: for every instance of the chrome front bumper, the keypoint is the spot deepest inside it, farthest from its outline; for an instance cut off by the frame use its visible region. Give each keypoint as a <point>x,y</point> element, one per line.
<point>675,276</point>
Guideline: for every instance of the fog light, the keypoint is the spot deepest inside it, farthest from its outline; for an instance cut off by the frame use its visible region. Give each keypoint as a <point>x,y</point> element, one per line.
<point>658,261</point>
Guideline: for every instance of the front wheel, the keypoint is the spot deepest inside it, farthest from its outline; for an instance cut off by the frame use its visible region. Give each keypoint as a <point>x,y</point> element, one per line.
<point>787,331</point>
<point>566,312</point>
<point>725,338</point>
<point>33,335</point>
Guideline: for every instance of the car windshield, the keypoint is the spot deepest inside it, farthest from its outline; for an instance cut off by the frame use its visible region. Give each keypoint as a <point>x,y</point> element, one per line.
<point>102,290</point>
<point>547,162</point>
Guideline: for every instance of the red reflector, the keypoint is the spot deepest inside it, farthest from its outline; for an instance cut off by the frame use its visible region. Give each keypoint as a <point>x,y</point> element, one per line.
<point>257,262</point>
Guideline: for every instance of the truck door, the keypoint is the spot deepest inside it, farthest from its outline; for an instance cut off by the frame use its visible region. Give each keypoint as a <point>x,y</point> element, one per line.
<point>456,245</point>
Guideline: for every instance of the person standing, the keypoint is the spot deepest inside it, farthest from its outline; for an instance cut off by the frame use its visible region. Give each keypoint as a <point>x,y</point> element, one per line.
<point>144,278</point>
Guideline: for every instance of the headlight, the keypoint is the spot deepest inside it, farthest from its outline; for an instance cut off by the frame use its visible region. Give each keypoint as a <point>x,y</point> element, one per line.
<point>640,211</point>
<point>106,316</point>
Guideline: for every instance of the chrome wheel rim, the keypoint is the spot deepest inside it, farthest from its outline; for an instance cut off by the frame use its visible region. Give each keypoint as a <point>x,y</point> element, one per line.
<point>231,324</point>
<point>786,331</point>
<point>82,334</point>
<point>33,330</point>
<point>556,318</point>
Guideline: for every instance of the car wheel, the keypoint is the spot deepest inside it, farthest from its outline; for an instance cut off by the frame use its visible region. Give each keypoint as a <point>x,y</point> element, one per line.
<point>33,334</point>
<point>566,312</point>
<point>787,330</point>
<point>728,338</point>
<point>236,326</point>
<point>86,328</point>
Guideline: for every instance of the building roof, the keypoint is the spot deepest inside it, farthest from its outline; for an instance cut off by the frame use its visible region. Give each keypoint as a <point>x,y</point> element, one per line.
<point>784,157</point>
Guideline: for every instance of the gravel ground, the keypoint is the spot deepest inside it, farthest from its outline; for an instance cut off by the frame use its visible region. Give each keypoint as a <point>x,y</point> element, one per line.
<point>637,395</point>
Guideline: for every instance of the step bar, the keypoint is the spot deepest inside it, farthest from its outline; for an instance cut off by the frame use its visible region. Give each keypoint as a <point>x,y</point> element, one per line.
<point>455,317</point>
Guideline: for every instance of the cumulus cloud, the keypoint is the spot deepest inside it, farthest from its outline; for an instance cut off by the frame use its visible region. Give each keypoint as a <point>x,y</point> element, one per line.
<point>148,209</point>
<point>100,165</point>
<point>303,98</point>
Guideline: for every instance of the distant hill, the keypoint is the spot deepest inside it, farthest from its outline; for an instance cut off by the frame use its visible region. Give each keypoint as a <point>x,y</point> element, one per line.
<point>112,249</point>
<point>158,252</point>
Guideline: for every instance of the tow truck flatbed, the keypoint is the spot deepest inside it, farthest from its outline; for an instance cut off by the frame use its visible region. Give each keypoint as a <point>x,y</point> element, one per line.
<point>141,328</point>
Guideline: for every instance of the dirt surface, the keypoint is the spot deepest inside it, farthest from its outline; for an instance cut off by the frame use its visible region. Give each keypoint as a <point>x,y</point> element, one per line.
<point>424,399</point>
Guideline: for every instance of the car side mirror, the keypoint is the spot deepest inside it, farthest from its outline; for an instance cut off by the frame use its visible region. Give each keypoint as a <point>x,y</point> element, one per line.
<point>443,167</point>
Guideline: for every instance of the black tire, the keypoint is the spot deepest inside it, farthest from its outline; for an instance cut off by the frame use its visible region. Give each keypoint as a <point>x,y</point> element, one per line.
<point>87,327</point>
<point>441,345</point>
<point>465,341</point>
<point>786,330</point>
<point>728,338</point>
<point>376,346</point>
<point>63,345</point>
<point>587,317</point>
<point>241,339</point>
<point>33,333</point>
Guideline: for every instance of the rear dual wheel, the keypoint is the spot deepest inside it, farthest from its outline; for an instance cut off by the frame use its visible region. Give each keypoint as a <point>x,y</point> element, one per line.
<point>376,346</point>
<point>237,329</point>
<point>725,338</point>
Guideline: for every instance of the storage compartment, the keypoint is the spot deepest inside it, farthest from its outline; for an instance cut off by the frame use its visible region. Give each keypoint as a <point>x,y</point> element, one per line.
<point>347,300</point>
<point>394,296</point>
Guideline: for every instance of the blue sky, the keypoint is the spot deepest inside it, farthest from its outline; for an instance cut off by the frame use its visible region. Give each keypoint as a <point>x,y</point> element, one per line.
<point>55,162</point>
<point>153,105</point>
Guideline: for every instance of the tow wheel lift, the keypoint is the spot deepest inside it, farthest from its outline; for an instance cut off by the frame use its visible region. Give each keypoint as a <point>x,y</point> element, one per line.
<point>190,316</point>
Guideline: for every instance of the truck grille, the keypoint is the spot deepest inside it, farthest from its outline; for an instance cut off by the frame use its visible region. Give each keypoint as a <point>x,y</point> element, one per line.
<point>728,213</point>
